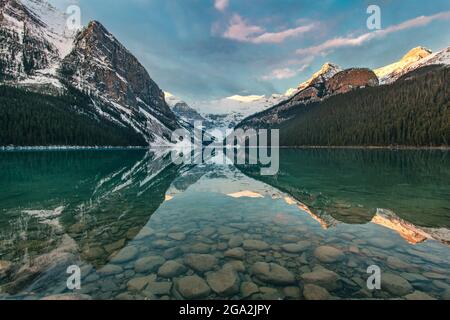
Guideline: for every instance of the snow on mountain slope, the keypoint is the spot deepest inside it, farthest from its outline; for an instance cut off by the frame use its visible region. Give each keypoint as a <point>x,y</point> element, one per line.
<point>328,81</point>
<point>38,52</point>
<point>325,73</point>
<point>228,112</point>
<point>100,64</point>
<point>222,113</point>
<point>441,57</point>
<point>394,71</point>
<point>35,38</point>
<point>56,30</point>
<point>185,112</point>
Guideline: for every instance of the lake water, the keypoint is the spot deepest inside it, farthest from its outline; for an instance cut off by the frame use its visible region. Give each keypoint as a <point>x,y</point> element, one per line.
<point>139,227</point>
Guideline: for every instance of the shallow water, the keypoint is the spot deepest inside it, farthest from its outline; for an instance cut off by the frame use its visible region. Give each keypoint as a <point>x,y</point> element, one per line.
<point>142,228</point>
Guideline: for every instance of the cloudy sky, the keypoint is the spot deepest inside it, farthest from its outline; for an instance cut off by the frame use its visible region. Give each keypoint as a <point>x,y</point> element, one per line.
<point>210,49</point>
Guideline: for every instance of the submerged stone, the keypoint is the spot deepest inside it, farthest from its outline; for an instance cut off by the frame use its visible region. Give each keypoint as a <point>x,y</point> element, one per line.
<point>66,297</point>
<point>110,269</point>
<point>257,245</point>
<point>178,236</point>
<point>193,287</point>
<point>395,284</point>
<point>138,284</point>
<point>313,292</point>
<point>396,263</point>
<point>201,262</point>
<point>272,273</point>
<point>248,289</point>
<point>235,265</point>
<point>159,288</point>
<point>224,282</point>
<point>418,295</point>
<point>296,247</point>
<point>322,277</point>
<point>171,269</point>
<point>292,292</point>
<point>236,253</point>
<point>235,241</point>
<point>328,254</point>
<point>5,266</point>
<point>148,264</point>
<point>199,248</point>
<point>126,254</point>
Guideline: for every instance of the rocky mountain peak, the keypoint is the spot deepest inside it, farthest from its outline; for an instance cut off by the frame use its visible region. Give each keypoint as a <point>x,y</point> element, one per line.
<point>350,79</point>
<point>392,72</point>
<point>34,39</point>
<point>100,64</point>
<point>40,53</point>
<point>326,72</point>
<point>328,67</point>
<point>417,53</point>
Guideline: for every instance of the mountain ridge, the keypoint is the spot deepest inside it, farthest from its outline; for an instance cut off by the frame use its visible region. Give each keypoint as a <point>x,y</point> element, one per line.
<point>39,54</point>
<point>319,88</point>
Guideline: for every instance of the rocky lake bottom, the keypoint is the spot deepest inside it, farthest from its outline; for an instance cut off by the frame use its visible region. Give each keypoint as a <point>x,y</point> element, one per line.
<point>145,230</point>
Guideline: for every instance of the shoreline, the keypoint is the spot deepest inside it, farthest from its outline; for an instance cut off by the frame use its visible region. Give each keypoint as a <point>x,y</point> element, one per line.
<point>68,148</point>
<point>393,148</point>
<point>74,148</point>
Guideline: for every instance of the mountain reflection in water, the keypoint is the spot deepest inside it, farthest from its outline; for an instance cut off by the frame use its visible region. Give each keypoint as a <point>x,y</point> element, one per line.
<point>121,214</point>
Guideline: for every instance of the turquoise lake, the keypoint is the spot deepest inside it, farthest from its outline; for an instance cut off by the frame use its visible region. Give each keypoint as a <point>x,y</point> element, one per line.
<point>139,227</point>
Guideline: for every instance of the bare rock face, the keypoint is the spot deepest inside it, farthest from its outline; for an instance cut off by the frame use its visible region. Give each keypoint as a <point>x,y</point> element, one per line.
<point>23,48</point>
<point>351,79</point>
<point>315,88</point>
<point>101,65</point>
<point>40,53</point>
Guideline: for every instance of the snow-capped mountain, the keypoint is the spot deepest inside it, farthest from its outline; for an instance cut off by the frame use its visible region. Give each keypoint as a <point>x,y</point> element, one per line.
<point>222,113</point>
<point>100,64</point>
<point>186,112</point>
<point>416,58</point>
<point>392,72</point>
<point>325,73</point>
<point>328,81</point>
<point>38,52</point>
<point>439,58</point>
<point>228,112</point>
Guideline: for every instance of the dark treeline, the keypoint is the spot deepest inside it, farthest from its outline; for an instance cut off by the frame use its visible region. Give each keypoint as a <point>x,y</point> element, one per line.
<point>33,119</point>
<point>414,111</point>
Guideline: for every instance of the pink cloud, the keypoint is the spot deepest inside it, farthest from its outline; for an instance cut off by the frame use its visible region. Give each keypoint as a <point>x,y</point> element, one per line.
<point>279,37</point>
<point>359,40</point>
<point>221,5</point>
<point>284,73</point>
<point>239,29</point>
<point>280,74</point>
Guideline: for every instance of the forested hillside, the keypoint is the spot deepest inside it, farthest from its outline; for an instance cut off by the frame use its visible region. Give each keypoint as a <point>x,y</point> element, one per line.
<point>33,119</point>
<point>413,111</point>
